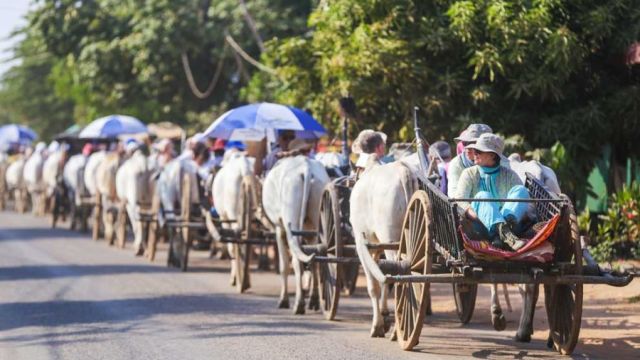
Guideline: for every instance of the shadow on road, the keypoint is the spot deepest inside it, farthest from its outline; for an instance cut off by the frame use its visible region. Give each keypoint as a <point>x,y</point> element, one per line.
<point>38,272</point>
<point>62,313</point>
<point>30,234</point>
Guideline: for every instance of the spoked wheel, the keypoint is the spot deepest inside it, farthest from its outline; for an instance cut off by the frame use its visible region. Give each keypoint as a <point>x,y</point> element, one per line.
<point>416,251</point>
<point>330,235</point>
<point>465,298</point>
<point>242,251</point>
<point>564,302</point>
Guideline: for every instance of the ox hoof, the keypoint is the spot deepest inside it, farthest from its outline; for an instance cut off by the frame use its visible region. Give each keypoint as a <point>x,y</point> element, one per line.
<point>377,331</point>
<point>394,335</point>
<point>523,338</point>
<point>299,308</point>
<point>387,325</point>
<point>283,304</point>
<point>499,321</point>
<point>314,302</point>
<point>428,311</point>
<point>232,281</point>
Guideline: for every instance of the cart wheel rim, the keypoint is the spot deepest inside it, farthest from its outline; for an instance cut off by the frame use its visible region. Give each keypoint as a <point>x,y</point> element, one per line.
<point>415,249</point>
<point>330,235</point>
<point>564,302</point>
<point>242,252</point>
<point>465,299</point>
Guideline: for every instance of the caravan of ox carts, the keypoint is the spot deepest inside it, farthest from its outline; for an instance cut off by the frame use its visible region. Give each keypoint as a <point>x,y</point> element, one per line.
<point>318,217</point>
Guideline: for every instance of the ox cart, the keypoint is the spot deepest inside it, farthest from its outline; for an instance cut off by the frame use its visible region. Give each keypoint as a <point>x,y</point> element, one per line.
<point>182,226</point>
<point>253,231</point>
<point>433,248</point>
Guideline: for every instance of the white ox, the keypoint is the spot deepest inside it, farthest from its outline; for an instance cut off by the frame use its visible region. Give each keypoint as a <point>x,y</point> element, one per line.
<point>382,193</point>
<point>51,169</point>
<point>378,202</point>
<point>15,182</point>
<point>529,293</point>
<point>105,188</point>
<point>90,171</point>
<point>32,174</point>
<point>169,186</point>
<point>226,189</point>
<point>291,199</point>
<point>133,188</point>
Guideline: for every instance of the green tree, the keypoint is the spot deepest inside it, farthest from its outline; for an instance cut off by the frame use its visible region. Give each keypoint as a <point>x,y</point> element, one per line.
<point>551,71</point>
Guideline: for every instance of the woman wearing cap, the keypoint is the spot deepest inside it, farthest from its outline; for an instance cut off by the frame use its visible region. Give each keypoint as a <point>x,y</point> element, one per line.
<point>489,180</point>
<point>465,159</point>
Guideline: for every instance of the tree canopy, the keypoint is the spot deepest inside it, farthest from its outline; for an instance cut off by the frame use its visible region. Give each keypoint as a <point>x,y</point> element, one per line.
<point>546,71</point>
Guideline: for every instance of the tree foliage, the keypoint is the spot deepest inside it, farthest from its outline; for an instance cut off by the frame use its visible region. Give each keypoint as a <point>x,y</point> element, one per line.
<point>125,56</point>
<point>549,70</point>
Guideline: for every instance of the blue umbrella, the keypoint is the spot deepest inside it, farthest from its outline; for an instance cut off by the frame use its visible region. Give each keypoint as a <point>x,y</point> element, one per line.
<point>16,134</point>
<point>251,122</point>
<point>113,126</point>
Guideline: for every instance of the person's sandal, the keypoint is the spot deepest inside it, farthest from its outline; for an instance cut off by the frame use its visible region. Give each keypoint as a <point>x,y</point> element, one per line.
<point>509,238</point>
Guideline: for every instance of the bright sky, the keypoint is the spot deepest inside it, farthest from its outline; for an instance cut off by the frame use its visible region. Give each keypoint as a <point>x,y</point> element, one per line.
<point>12,14</point>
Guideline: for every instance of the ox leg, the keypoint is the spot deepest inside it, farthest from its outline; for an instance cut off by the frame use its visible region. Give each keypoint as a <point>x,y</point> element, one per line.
<point>138,233</point>
<point>230,248</point>
<point>529,293</point>
<point>373,288</point>
<point>314,297</point>
<point>497,317</point>
<point>283,264</point>
<point>384,296</point>
<point>298,271</point>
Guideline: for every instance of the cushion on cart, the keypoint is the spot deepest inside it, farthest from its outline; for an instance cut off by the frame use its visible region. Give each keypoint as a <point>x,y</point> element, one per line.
<point>538,248</point>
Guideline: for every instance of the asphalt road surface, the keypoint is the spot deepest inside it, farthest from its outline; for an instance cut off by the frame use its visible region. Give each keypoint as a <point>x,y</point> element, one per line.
<point>64,296</point>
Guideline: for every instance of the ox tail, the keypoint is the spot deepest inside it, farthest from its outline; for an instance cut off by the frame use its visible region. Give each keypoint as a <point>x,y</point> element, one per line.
<point>294,244</point>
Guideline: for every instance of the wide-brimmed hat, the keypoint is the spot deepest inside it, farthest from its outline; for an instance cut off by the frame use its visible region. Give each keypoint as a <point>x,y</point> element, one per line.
<point>473,131</point>
<point>300,145</point>
<point>488,143</point>
<point>441,148</point>
<point>364,138</point>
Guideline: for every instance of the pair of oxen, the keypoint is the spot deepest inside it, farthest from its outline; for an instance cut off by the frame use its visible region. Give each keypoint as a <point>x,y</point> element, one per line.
<point>291,195</point>
<point>28,176</point>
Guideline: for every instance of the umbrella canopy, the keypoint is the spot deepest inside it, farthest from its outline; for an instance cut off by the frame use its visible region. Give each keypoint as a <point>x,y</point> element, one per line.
<point>251,122</point>
<point>112,126</point>
<point>16,134</point>
<point>71,132</point>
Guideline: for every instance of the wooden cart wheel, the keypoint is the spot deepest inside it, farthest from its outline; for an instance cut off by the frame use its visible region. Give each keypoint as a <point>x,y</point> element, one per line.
<point>465,298</point>
<point>416,250</point>
<point>350,272</point>
<point>564,302</point>
<point>242,252</point>
<point>153,227</point>
<point>330,234</point>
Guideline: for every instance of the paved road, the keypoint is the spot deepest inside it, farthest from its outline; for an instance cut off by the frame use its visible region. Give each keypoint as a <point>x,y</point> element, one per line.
<point>63,296</point>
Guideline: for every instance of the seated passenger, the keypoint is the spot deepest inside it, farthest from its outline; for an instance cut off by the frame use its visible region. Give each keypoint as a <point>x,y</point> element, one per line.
<point>284,138</point>
<point>489,180</point>
<point>464,160</point>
